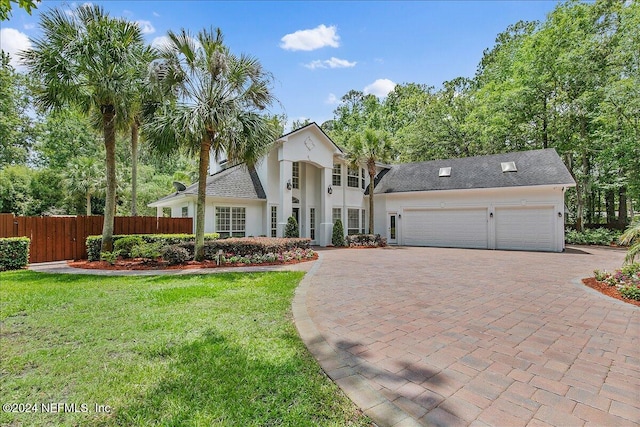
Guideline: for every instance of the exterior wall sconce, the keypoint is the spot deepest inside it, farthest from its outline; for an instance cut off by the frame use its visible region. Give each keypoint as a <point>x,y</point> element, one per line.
<point>289,185</point>
<point>491,215</point>
<point>330,190</point>
<point>559,214</point>
<point>399,216</point>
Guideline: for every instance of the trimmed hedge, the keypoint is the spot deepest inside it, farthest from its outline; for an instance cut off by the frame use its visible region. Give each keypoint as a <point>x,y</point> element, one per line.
<point>248,246</point>
<point>366,240</point>
<point>14,253</point>
<point>94,243</point>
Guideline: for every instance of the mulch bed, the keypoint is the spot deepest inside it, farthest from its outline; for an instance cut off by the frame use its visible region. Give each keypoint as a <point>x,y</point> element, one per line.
<point>139,264</point>
<point>610,291</point>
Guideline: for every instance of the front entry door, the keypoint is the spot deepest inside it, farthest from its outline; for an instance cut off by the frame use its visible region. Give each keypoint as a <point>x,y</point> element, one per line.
<point>392,228</point>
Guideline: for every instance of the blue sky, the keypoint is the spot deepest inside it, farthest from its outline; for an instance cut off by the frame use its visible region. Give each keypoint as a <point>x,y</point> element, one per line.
<point>318,51</point>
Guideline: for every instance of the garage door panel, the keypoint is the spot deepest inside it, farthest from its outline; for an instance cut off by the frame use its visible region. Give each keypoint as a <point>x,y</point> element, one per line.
<point>459,228</point>
<point>525,228</point>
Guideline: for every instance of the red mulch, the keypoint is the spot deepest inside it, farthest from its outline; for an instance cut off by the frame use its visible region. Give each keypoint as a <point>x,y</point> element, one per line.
<point>139,264</point>
<point>610,291</point>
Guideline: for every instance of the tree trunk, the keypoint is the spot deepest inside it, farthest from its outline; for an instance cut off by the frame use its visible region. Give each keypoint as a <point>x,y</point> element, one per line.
<point>109,133</point>
<point>88,204</point>
<point>622,207</point>
<point>371,166</point>
<point>610,200</point>
<point>134,167</point>
<point>203,172</point>
<point>545,134</point>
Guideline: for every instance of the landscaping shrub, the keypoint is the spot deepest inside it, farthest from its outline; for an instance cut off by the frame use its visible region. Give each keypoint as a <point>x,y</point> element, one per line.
<point>110,257</point>
<point>248,246</point>
<point>147,251</point>
<point>124,245</point>
<point>366,240</point>
<point>337,236</point>
<point>626,280</point>
<point>94,242</point>
<point>174,255</point>
<point>291,229</point>
<point>14,253</point>
<point>598,236</point>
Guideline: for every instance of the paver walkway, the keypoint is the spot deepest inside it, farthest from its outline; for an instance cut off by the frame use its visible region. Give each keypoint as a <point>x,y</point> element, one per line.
<point>428,336</point>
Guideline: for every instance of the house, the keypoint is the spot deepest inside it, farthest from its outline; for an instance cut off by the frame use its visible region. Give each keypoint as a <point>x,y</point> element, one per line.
<point>504,201</point>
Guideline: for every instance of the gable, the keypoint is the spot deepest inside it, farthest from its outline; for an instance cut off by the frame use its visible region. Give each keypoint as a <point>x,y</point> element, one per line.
<point>308,144</point>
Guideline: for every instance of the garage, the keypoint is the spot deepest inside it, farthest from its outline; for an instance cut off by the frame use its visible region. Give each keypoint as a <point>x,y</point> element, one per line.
<point>453,228</point>
<point>525,228</point>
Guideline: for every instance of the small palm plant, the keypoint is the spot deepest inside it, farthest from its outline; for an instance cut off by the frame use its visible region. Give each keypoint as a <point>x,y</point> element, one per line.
<point>631,237</point>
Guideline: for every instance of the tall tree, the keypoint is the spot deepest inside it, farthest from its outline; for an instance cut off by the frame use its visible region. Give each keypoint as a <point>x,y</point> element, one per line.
<point>371,147</point>
<point>219,96</point>
<point>82,175</point>
<point>86,59</point>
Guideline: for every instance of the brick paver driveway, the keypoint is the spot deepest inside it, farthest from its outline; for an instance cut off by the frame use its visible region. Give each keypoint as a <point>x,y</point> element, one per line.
<point>474,337</point>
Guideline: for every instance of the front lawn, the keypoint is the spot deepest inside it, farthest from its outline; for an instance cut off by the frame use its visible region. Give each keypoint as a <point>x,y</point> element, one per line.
<point>162,350</point>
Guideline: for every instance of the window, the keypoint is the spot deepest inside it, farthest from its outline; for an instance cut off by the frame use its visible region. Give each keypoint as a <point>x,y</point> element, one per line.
<point>312,223</point>
<point>337,175</point>
<point>295,175</point>
<point>353,221</point>
<point>337,214</point>
<point>363,221</point>
<point>353,177</point>
<point>274,221</point>
<point>185,211</point>
<point>362,178</point>
<point>230,222</point>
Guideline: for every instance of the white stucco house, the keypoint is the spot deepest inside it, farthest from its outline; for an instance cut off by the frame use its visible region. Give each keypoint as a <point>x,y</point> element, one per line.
<point>504,201</point>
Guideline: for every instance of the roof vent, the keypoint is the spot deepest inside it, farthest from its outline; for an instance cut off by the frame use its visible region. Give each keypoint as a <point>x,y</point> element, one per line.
<point>444,172</point>
<point>509,167</point>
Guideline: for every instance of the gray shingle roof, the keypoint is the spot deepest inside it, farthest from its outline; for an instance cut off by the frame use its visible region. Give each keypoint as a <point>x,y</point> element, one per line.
<point>535,167</point>
<point>237,182</point>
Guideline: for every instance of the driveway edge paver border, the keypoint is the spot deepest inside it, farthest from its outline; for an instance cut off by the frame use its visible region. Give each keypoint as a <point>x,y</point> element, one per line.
<point>370,401</point>
<point>578,282</point>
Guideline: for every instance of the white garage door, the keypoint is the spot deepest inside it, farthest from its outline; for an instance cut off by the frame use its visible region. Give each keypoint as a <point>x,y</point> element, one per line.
<point>452,228</point>
<point>530,228</point>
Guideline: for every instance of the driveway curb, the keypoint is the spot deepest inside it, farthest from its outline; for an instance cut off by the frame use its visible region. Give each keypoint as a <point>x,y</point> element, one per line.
<point>339,368</point>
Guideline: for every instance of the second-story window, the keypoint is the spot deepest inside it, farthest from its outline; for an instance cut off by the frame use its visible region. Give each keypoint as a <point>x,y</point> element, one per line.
<point>295,175</point>
<point>353,177</point>
<point>337,175</point>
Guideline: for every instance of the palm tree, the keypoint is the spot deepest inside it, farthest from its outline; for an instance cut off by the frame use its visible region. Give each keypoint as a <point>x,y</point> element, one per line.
<point>87,59</point>
<point>631,237</point>
<point>372,147</point>
<point>82,175</point>
<point>217,98</point>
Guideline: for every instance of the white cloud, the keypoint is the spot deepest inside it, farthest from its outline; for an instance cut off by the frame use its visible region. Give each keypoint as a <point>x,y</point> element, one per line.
<point>13,41</point>
<point>156,14</point>
<point>316,38</point>
<point>380,88</point>
<point>161,41</point>
<point>330,63</point>
<point>146,27</point>
<point>29,26</point>
<point>332,99</point>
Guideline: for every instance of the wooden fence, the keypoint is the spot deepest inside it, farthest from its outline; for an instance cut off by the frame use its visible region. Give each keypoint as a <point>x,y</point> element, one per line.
<point>62,238</point>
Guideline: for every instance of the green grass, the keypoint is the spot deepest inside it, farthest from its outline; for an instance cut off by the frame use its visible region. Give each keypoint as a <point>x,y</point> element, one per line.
<point>196,350</point>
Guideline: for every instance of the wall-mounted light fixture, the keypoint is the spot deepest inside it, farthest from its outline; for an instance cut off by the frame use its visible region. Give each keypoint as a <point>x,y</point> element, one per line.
<point>559,214</point>
<point>289,185</point>
<point>490,214</point>
<point>399,216</point>
<point>330,190</point>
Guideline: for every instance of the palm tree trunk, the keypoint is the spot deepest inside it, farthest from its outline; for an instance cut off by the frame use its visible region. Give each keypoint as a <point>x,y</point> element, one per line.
<point>203,171</point>
<point>371,166</point>
<point>88,203</point>
<point>109,133</point>
<point>134,167</point>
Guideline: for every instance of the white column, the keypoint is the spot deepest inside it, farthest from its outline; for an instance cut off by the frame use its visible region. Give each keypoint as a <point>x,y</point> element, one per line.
<point>285,208</point>
<point>326,204</point>
<point>158,211</point>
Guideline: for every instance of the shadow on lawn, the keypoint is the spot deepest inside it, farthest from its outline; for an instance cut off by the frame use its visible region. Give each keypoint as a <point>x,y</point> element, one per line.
<point>214,380</point>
